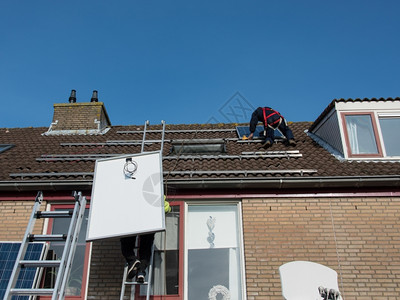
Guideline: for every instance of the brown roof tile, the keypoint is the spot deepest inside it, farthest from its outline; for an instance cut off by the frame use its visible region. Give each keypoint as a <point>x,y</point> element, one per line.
<point>67,157</point>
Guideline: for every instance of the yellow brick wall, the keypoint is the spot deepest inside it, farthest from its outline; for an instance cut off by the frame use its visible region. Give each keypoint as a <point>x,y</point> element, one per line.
<point>14,219</point>
<point>357,237</point>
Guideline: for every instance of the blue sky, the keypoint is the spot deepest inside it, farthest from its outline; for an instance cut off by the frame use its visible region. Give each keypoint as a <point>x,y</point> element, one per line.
<point>193,61</point>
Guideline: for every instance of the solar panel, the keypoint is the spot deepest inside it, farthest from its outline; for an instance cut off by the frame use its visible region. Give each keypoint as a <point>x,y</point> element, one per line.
<point>27,276</point>
<point>245,130</point>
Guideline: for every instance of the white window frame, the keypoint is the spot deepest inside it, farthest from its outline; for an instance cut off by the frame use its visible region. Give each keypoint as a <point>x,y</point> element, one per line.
<point>240,240</point>
<point>382,115</point>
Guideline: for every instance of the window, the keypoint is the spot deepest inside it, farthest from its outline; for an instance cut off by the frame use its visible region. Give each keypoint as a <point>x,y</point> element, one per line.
<point>213,252</point>
<point>206,146</point>
<point>390,134</point>
<point>168,258</point>
<point>361,135</point>
<point>77,280</point>
<point>366,137</point>
<point>210,260</point>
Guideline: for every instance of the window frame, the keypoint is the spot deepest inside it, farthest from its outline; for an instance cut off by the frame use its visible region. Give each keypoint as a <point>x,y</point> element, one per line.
<point>178,296</point>
<point>84,286</point>
<point>240,241</point>
<point>376,133</point>
<point>381,116</point>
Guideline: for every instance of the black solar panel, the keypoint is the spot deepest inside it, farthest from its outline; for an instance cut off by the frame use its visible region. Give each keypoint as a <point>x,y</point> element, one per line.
<point>27,276</point>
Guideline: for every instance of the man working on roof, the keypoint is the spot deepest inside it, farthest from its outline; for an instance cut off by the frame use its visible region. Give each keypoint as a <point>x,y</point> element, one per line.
<point>138,267</point>
<point>272,120</point>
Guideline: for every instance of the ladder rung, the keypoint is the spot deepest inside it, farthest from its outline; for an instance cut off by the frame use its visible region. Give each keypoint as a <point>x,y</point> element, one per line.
<point>47,237</point>
<point>54,214</point>
<point>136,283</point>
<point>40,263</point>
<point>31,292</point>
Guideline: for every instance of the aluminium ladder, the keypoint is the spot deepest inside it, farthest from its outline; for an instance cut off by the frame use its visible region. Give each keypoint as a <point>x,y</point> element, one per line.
<point>125,282</point>
<point>64,264</point>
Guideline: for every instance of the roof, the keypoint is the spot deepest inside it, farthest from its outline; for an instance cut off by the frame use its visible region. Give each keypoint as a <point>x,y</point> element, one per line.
<point>332,105</point>
<point>64,161</point>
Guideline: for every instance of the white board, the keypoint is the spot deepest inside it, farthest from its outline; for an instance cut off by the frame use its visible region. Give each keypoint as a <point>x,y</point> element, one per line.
<point>301,279</point>
<point>123,203</point>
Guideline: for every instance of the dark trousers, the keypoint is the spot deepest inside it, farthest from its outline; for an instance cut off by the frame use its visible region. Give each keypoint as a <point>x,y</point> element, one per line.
<point>286,131</point>
<point>145,244</point>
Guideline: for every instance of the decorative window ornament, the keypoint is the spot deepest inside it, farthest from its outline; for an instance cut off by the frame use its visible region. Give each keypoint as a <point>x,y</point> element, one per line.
<point>219,289</point>
<point>211,235</point>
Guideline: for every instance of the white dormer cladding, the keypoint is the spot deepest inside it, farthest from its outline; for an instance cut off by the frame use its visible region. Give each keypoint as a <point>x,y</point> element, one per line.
<point>334,130</point>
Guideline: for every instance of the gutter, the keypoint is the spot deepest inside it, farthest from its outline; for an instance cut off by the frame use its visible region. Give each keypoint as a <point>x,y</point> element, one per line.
<point>35,185</point>
<point>288,183</point>
<point>281,183</point>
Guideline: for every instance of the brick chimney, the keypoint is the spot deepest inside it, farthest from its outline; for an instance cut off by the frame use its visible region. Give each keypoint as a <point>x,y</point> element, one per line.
<point>79,118</point>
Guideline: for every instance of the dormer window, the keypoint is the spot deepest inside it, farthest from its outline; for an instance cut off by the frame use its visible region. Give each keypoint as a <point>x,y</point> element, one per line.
<point>361,135</point>
<point>390,126</point>
<point>360,129</point>
<point>368,137</point>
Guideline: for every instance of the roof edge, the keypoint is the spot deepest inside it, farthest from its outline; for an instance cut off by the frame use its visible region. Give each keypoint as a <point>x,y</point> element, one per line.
<point>331,105</point>
<point>390,181</point>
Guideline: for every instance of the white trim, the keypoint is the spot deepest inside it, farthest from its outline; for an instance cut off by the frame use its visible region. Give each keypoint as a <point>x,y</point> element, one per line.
<point>361,106</point>
<point>242,257</point>
<point>185,255</point>
<point>389,115</point>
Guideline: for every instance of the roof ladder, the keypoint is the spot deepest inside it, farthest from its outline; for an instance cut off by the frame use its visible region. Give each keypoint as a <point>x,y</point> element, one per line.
<point>132,283</point>
<point>64,264</point>
<point>162,135</point>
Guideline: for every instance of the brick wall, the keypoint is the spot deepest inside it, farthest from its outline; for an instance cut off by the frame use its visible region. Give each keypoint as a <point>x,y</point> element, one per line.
<point>79,116</point>
<point>106,271</point>
<point>14,219</point>
<point>361,244</point>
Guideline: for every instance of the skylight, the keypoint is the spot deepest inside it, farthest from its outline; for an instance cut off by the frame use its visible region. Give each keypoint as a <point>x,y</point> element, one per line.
<point>200,146</point>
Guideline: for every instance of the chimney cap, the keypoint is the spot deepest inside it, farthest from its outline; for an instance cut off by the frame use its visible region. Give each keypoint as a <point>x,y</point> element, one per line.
<point>72,97</point>
<point>95,97</point>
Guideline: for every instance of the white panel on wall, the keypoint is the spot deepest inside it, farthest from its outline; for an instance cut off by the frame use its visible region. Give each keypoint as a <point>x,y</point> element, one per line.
<point>302,280</point>
<point>127,197</point>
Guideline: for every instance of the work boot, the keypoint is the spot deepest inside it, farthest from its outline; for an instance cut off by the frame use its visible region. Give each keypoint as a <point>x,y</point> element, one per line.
<point>292,142</point>
<point>140,276</point>
<point>133,267</point>
<point>267,143</point>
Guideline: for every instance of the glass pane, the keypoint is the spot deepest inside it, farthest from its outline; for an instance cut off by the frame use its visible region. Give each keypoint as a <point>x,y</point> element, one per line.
<point>259,133</point>
<point>213,252</point>
<point>74,286</point>
<point>391,135</point>
<point>166,257</point>
<point>361,134</point>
